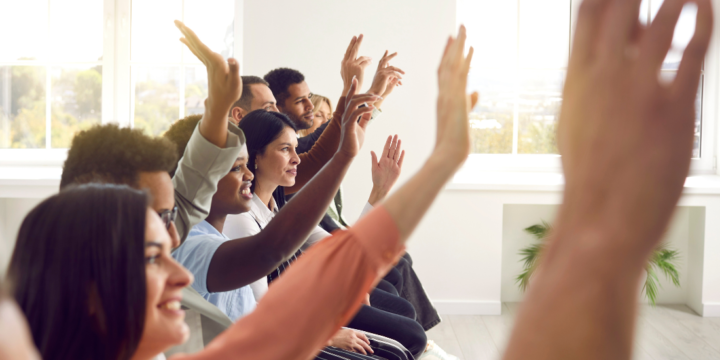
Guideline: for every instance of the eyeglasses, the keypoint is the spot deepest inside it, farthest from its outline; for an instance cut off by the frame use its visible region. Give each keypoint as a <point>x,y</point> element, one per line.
<point>168,216</point>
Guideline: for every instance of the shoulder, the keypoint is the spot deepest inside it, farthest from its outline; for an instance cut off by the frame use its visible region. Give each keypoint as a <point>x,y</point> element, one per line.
<point>240,225</point>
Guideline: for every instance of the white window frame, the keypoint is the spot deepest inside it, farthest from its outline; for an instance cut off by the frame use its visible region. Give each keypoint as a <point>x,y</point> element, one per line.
<point>117,90</point>
<point>543,163</point>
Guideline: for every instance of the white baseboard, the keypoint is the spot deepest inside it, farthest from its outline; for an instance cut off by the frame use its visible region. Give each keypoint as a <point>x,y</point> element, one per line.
<point>711,309</point>
<point>453,307</point>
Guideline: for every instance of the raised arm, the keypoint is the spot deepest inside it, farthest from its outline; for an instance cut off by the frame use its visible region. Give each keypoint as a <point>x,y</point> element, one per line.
<point>239,262</point>
<point>328,283</point>
<point>351,67</point>
<point>211,150</point>
<point>626,142</point>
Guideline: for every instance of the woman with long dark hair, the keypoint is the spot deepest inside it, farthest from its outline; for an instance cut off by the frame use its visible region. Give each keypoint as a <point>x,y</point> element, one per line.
<point>84,266</point>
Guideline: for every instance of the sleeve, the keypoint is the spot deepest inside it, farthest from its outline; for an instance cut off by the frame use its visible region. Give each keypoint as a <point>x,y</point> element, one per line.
<point>375,114</point>
<point>197,176</point>
<point>342,269</point>
<point>240,226</point>
<point>366,209</point>
<point>195,255</point>
<point>307,142</point>
<point>312,161</point>
<point>316,235</point>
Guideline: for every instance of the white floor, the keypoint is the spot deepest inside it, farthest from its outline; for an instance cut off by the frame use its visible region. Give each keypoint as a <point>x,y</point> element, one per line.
<point>664,332</point>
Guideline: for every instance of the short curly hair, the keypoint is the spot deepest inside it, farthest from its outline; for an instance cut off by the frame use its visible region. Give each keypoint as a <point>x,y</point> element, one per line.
<point>280,80</point>
<point>179,134</point>
<point>111,154</point>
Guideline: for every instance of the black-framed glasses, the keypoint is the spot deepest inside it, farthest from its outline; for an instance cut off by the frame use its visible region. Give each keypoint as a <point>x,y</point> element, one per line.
<point>168,216</point>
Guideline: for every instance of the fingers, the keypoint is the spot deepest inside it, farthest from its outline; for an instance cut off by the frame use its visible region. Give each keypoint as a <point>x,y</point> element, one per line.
<point>386,148</point>
<point>360,112</point>
<point>622,20</point>
<point>200,50</point>
<point>395,69</point>
<point>364,60</point>
<point>363,338</point>
<point>358,348</point>
<point>365,120</point>
<point>351,92</point>
<point>474,97</point>
<point>397,150</point>
<point>374,159</point>
<point>357,100</point>
<point>365,343</point>
<point>393,147</point>
<point>350,47</point>
<point>658,38</point>
<point>402,157</point>
<point>688,76</point>
<point>386,59</point>
<point>234,75</point>
<point>356,47</point>
<point>587,30</point>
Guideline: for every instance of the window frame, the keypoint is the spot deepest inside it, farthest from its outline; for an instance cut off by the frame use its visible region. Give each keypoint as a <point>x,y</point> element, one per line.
<point>705,164</point>
<point>117,91</point>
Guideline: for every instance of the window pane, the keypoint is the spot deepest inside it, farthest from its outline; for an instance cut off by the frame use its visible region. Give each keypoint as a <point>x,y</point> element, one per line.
<point>154,35</point>
<point>538,110</point>
<point>157,98</point>
<point>76,102</point>
<point>76,30</point>
<point>491,120</point>
<point>22,107</point>
<point>215,31</point>
<point>544,33</point>
<point>26,17</point>
<point>196,89</point>
<point>492,31</point>
<point>698,120</point>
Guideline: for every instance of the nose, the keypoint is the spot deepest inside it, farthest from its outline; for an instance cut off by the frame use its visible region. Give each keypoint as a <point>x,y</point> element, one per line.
<point>174,236</point>
<point>295,159</point>
<point>248,175</point>
<point>309,105</point>
<point>179,275</point>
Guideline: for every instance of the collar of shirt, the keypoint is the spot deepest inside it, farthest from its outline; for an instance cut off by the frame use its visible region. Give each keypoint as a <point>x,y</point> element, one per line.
<point>204,228</point>
<point>260,211</point>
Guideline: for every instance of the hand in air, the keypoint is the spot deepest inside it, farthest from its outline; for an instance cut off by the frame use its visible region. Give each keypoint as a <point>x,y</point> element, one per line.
<point>453,104</point>
<point>623,133</point>
<point>352,133</point>
<point>224,82</point>
<point>386,169</point>
<point>352,65</point>
<point>351,340</point>
<point>386,78</point>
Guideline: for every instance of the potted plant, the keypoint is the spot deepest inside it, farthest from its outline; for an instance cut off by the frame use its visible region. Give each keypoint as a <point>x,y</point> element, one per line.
<point>661,261</point>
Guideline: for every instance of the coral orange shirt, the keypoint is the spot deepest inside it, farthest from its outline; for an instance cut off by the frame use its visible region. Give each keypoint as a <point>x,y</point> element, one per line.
<point>294,321</point>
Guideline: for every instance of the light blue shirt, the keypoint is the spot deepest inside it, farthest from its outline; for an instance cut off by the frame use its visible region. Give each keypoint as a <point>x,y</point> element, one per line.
<point>195,254</point>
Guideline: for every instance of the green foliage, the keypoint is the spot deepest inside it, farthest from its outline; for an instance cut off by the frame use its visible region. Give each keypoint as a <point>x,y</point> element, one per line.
<point>662,260</point>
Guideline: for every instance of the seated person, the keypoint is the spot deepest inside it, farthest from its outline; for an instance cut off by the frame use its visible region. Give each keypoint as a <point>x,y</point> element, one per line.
<point>272,159</point>
<point>219,263</point>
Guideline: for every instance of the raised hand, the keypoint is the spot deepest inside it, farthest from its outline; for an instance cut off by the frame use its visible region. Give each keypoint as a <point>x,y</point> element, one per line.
<point>224,86</point>
<point>453,105</point>
<point>612,83</point>
<point>353,66</point>
<point>353,132</point>
<point>386,77</point>
<point>386,170</point>
<point>626,142</point>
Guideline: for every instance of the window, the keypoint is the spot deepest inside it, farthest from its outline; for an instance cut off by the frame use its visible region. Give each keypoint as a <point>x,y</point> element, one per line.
<point>168,81</point>
<point>51,77</point>
<point>522,48</point>
<point>83,62</point>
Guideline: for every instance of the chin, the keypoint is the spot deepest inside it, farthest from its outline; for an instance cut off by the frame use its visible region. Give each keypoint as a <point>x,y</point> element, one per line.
<point>243,208</point>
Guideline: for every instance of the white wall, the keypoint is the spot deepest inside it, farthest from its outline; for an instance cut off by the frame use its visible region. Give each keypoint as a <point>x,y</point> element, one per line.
<point>12,213</point>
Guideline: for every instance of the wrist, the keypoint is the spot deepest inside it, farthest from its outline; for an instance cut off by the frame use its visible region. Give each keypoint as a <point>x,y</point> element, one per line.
<point>376,195</point>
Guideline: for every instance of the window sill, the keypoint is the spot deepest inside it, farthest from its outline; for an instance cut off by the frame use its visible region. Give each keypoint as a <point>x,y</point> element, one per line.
<point>554,182</point>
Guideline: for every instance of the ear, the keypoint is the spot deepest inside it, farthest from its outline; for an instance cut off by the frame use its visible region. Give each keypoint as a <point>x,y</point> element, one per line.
<point>237,114</point>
